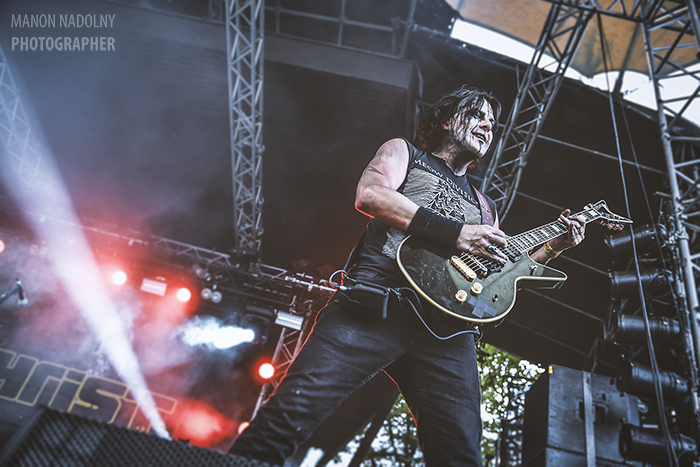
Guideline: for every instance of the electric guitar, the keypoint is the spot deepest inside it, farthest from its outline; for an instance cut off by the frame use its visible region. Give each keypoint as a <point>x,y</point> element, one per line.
<point>478,290</point>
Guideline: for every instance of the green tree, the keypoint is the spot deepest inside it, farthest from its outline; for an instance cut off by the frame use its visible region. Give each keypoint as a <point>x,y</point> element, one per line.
<point>504,380</point>
<point>397,442</point>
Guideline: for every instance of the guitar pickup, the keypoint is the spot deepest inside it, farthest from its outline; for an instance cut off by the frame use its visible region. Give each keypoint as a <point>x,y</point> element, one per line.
<point>462,267</point>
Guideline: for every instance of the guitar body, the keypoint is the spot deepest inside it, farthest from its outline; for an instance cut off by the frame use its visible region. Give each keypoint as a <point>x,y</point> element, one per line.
<point>482,299</point>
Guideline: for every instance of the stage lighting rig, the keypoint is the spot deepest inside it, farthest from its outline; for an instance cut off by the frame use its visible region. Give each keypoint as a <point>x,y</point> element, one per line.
<point>648,445</point>
<point>209,291</point>
<point>154,286</point>
<point>259,320</point>
<point>119,277</point>
<point>625,284</point>
<point>183,294</point>
<point>266,371</point>
<point>630,329</point>
<point>638,380</point>
<point>289,320</point>
<point>211,294</point>
<point>649,240</point>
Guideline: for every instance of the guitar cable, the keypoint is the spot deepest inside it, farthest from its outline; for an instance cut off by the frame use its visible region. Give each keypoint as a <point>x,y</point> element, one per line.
<point>478,334</point>
<point>398,291</point>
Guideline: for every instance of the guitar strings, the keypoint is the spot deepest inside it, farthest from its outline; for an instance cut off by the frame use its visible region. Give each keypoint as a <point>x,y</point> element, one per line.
<point>519,244</point>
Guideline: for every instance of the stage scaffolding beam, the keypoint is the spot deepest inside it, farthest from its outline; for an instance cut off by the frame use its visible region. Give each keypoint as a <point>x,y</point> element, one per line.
<point>19,140</point>
<point>244,58</point>
<point>558,41</point>
<point>681,156</point>
<point>288,345</point>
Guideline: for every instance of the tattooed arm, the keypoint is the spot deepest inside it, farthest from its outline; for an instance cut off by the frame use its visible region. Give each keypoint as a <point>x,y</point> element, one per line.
<point>376,194</point>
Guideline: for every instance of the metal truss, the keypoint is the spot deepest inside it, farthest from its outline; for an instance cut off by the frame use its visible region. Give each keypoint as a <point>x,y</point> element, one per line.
<point>288,345</point>
<point>244,58</point>
<point>633,10</point>
<point>269,286</point>
<point>21,145</point>
<point>274,287</point>
<point>399,35</point>
<point>680,150</point>
<point>557,45</point>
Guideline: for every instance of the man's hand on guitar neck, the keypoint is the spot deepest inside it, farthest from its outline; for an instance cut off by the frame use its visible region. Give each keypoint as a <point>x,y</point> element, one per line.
<point>576,232</point>
<point>484,241</point>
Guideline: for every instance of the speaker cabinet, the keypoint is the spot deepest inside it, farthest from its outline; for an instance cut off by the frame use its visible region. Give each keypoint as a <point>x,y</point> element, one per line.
<point>553,429</point>
<point>53,438</point>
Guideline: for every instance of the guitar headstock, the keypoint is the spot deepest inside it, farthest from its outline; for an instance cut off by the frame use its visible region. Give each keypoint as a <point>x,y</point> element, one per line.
<point>606,217</point>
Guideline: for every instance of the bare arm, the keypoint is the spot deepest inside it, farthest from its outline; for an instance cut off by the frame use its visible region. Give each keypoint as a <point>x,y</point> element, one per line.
<point>576,226</point>
<point>376,196</point>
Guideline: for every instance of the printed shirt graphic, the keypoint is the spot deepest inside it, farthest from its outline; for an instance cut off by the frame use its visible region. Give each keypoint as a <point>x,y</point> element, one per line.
<point>431,184</point>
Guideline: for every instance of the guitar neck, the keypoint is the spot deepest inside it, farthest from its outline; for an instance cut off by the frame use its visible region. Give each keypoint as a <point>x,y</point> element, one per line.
<point>532,238</point>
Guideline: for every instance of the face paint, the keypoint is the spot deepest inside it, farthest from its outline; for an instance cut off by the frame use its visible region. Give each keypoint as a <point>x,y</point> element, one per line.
<point>473,132</point>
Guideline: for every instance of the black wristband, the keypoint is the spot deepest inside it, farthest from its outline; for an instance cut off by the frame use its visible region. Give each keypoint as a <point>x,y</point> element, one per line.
<point>431,226</point>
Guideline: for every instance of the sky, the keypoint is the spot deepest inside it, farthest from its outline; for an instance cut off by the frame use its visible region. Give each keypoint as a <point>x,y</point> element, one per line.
<point>637,87</point>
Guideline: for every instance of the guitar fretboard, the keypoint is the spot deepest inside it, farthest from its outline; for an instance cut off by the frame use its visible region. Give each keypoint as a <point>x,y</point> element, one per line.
<point>527,240</point>
<point>520,244</point>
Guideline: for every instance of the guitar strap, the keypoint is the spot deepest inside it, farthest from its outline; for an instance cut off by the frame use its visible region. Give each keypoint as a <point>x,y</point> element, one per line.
<point>486,212</point>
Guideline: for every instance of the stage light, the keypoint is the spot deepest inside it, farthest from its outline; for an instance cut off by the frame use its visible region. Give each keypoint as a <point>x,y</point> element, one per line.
<point>630,330</point>
<point>2,246</point>
<point>156,287</point>
<point>183,294</point>
<point>211,295</point>
<point>258,325</point>
<point>624,284</point>
<point>200,272</point>
<point>289,320</point>
<point>119,277</point>
<point>638,380</point>
<point>649,446</point>
<point>266,371</point>
<point>647,239</point>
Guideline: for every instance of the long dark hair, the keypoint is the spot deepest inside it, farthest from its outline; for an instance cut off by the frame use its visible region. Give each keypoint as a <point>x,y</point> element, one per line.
<point>465,100</point>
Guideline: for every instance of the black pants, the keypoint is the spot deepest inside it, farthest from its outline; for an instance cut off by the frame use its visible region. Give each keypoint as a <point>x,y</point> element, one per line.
<point>438,379</point>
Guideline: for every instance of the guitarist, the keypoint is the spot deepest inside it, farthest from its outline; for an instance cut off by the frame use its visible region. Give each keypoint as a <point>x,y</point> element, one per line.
<point>404,191</point>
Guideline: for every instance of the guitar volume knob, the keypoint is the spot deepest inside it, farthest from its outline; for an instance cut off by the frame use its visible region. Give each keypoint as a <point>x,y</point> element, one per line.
<point>477,288</point>
<point>461,295</point>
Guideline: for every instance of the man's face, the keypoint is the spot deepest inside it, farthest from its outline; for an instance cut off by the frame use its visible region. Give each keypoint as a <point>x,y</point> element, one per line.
<point>473,133</point>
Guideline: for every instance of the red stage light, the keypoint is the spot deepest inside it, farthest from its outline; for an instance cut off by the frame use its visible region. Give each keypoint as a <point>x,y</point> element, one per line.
<point>184,294</point>
<point>266,371</point>
<point>201,424</point>
<point>119,278</point>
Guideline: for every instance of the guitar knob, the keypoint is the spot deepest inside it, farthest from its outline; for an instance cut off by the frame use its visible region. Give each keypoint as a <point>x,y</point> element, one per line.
<point>477,288</point>
<point>461,295</point>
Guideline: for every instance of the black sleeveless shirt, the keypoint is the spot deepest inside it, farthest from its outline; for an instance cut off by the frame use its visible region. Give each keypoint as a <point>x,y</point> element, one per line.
<point>430,183</point>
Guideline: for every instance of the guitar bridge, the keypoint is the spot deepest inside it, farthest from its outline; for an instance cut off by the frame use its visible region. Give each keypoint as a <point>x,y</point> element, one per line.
<point>462,267</point>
